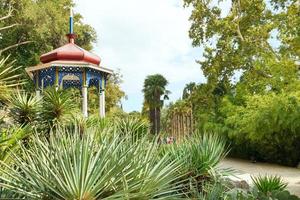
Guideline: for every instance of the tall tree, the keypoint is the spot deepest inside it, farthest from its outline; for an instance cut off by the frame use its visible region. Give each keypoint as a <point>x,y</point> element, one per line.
<point>154,89</point>
<point>238,42</point>
<point>253,81</point>
<point>35,27</point>
<point>251,49</point>
<point>188,89</point>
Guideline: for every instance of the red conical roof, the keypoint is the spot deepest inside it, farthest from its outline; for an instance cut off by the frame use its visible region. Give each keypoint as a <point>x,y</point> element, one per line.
<point>70,52</point>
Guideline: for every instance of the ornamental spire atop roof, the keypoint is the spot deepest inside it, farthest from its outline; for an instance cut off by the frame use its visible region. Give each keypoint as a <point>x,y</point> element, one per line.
<point>71,21</point>
<point>70,51</point>
<point>71,34</point>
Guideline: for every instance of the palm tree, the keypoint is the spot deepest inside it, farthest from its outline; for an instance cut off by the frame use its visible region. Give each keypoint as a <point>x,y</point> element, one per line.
<point>154,89</point>
<point>188,90</point>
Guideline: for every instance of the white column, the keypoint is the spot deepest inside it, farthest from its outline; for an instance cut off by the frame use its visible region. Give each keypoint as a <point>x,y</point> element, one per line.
<point>102,104</point>
<point>38,93</point>
<point>84,101</point>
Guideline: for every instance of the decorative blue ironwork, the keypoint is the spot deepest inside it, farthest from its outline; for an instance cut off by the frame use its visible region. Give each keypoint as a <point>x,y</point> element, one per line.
<point>47,77</point>
<point>93,78</point>
<point>65,71</point>
<point>71,83</point>
<point>70,76</point>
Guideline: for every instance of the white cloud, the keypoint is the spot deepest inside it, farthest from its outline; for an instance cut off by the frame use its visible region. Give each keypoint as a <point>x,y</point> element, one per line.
<point>144,37</point>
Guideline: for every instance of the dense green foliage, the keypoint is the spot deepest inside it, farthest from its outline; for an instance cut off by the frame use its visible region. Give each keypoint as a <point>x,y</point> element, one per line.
<point>199,154</point>
<point>112,158</point>
<point>105,160</point>
<point>269,124</point>
<point>90,168</point>
<point>31,33</point>
<point>48,150</point>
<point>250,61</point>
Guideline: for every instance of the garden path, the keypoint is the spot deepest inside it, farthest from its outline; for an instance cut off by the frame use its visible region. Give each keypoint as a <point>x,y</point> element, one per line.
<point>245,169</point>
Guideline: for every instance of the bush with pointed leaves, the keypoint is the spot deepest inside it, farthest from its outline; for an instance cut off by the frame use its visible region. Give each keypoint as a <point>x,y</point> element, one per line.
<point>70,166</point>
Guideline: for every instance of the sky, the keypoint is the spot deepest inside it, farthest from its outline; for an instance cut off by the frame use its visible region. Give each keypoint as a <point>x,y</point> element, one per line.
<point>143,37</point>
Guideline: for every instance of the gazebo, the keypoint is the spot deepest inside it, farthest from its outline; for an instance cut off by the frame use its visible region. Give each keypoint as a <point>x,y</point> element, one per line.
<point>71,66</point>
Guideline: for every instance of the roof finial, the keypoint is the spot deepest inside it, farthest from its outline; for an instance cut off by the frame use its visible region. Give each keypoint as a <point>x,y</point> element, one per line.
<point>71,34</point>
<point>71,21</point>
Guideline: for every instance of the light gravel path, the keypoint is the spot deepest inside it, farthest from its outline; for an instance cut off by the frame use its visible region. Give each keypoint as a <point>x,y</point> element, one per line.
<point>245,169</point>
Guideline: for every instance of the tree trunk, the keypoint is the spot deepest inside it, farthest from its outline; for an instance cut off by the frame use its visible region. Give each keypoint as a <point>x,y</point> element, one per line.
<point>184,125</point>
<point>152,120</point>
<point>157,120</point>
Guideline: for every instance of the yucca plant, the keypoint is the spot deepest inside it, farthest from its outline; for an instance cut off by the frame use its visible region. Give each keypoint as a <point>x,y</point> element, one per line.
<point>70,166</point>
<point>200,153</point>
<point>268,184</point>
<point>199,156</point>
<point>92,122</point>
<point>24,108</point>
<point>134,127</point>
<point>57,107</point>
<point>210,191</point>
<point>9,139</point>
<point>9,78</point>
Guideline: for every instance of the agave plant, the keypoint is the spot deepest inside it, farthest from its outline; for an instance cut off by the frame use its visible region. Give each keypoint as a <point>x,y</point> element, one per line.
<point>9,78</point>
<point>57,107</point>
<point>69,166</point>
<point>268,184</point>
<point>24,108</point>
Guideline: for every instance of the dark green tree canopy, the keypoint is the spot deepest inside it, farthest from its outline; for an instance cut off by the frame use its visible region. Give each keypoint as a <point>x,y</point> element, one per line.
<point>154,88</point>
<point>240,40</point>
<point>37,27</point>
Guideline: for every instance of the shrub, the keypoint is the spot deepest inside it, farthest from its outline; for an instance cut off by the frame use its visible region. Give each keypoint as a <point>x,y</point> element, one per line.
<point>265,188</point>
<point>267,125</point>
<point>200,154</point>
<point>134,127</point>
<point>24,108</point>
<point>70,166</point>
<point>9,139</point>
<point>57,107</point>
<point>268,184</point>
